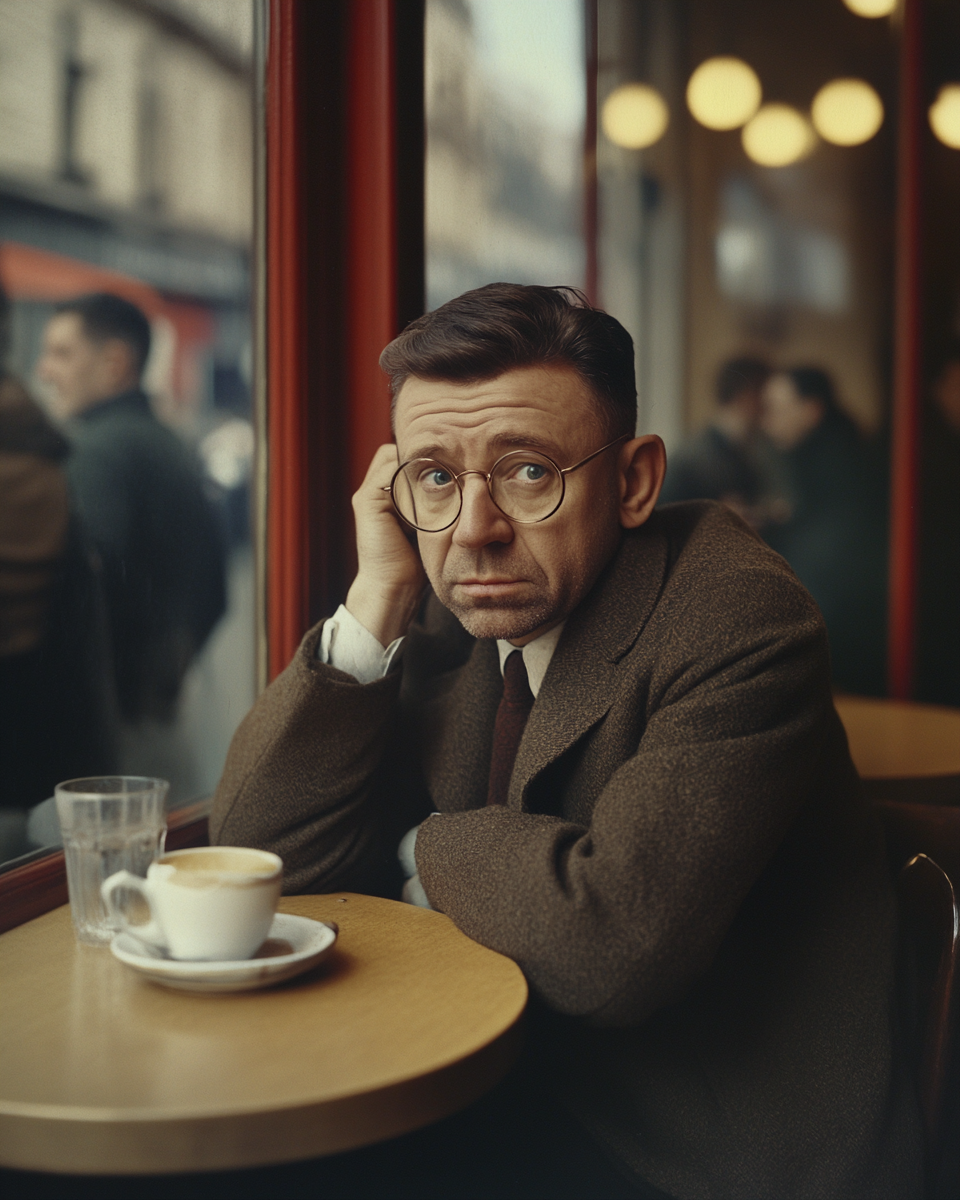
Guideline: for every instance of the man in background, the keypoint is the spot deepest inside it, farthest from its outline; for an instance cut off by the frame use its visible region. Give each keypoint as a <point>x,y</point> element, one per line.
<point>835,536</point>
<point>141,499</point>
<point>725,462</point>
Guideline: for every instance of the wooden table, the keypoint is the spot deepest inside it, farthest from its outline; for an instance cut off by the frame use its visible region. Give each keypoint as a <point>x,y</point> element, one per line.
<point>904,750</point>
<point>104,1072</point>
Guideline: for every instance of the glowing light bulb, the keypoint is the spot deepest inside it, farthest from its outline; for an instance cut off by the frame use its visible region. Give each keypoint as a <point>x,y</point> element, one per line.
<point>635,116</point>
<point>945,115</point>
<point>724,93</point>
<point>847,112</point>
<point>778,136</point>
<point>871,8</point>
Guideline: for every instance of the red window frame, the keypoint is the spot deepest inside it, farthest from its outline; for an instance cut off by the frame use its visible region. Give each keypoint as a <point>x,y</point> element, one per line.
<point>344,267</point>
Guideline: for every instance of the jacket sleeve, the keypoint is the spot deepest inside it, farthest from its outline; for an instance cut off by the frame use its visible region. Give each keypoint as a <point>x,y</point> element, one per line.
<point>303,778</point>
<point>613,920</point>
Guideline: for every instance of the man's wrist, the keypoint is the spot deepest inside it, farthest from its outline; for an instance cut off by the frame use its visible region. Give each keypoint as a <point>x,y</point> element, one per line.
<point>385,611</point>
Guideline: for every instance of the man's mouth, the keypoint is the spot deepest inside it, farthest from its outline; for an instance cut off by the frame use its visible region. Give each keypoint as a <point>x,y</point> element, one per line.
<point>488,587</point>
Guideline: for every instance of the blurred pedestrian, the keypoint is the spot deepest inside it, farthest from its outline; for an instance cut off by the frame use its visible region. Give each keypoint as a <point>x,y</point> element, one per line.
<point>55,694</point>
<point>726,460</point>
<point>142,500</point>
<point>835,537</point>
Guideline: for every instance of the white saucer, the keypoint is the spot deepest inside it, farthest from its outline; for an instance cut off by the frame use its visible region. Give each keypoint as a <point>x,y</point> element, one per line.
<point>309,941</point>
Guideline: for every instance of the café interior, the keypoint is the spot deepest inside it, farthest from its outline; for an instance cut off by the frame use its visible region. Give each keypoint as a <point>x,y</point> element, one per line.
<point>281,186</point>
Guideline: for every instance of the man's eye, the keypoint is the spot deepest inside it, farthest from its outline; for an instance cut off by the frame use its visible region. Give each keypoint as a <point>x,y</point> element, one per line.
<point>530,472</point>
<point>436,478</point>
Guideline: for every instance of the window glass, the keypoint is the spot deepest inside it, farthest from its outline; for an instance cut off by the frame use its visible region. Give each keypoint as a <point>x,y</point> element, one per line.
<point>746,196</point>
<point>505,101</point>
<point>126,573</point>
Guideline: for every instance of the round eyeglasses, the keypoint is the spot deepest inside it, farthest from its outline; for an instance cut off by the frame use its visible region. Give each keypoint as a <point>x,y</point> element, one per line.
<point>525,485</point>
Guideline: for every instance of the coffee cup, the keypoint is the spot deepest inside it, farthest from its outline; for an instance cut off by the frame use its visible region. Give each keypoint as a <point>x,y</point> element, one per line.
<point>211,903</point>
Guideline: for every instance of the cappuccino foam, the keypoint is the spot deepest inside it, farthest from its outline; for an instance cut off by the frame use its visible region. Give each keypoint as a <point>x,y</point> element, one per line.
<point>213,868</point>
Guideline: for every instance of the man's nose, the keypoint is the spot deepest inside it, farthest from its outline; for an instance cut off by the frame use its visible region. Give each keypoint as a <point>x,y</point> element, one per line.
<point>480,521</point>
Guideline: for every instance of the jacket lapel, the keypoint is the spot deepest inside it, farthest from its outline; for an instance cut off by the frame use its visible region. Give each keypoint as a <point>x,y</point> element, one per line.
<point>580,684</point>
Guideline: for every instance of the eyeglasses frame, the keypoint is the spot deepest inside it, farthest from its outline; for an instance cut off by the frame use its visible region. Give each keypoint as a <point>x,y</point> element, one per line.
<point>488,475</point>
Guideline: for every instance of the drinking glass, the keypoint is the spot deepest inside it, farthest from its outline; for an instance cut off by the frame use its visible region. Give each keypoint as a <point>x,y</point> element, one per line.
<point>109,823</point>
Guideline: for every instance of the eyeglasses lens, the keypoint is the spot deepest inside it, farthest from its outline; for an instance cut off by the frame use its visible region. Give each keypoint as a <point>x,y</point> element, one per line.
<point>426,494</point>
<point>525,486</point>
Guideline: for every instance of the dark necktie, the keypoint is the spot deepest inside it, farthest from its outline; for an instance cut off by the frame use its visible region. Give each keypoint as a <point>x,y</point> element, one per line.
<point>508,728</point>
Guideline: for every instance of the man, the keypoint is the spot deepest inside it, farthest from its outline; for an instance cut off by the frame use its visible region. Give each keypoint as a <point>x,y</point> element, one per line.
<point>141,500</point>
<point>676,853</point>
<point>725,462</point>
<point>835,536</point>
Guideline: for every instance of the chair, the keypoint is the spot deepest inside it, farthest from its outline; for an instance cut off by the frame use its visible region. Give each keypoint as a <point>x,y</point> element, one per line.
<point>929,905</point>
<point>918,828</point>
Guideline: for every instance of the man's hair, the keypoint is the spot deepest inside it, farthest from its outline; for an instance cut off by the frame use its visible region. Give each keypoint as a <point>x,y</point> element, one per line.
<point>740,375</point>
<point>504,326</point>
<point>105,316</point>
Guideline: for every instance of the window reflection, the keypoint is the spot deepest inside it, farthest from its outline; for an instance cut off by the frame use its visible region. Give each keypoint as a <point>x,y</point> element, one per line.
<point>756,277</point>
<point>126,170</point>
<point>745,171</point>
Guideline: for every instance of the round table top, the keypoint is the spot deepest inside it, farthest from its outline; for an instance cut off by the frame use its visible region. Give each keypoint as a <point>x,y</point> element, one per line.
<point>896,739</point>
<point>104,1072</point>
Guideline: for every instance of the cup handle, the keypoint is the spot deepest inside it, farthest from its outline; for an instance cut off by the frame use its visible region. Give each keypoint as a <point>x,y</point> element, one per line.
<point>151,933</point>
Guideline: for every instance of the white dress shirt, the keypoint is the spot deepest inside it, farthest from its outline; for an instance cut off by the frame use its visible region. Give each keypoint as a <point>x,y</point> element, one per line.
<point>352,648</point>
<point>536,655</point>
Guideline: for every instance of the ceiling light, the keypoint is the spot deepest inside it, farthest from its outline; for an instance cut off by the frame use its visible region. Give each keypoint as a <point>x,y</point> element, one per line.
<point>945,115</point>
<point>777,136</point>
<point>635,116</point>
<point>724,93</point>
<point>847,112</point>
<point>871,8</point>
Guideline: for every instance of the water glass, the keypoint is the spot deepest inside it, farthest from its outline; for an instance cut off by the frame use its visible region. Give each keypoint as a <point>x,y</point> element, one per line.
<point>109,823</point>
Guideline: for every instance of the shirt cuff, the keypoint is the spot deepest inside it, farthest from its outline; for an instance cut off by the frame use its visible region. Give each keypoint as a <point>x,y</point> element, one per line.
<point>352,648</point>
<point>413,893</point>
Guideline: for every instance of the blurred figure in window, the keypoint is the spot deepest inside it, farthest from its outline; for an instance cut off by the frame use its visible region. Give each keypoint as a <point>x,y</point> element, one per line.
<point>55,697</point>
<point>726,461</point>
<point>142,501</point>
<point>939,650</point>
<point>835,537</point>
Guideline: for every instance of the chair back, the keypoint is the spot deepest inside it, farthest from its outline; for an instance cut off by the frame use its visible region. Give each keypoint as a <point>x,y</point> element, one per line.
<point>913,828</point>
<point>929,907</point>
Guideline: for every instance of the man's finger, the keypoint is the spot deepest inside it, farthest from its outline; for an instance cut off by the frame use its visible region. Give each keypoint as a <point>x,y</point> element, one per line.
<point>382,467</point>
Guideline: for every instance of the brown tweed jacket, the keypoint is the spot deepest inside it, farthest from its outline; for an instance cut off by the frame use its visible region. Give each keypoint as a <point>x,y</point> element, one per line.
<point>685,869</point>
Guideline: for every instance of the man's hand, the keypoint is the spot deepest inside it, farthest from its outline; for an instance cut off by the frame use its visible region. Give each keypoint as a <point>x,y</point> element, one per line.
<point>390,579</point>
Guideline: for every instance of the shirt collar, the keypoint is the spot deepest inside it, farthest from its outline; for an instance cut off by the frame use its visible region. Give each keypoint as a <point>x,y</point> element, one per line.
<point>536,655</point>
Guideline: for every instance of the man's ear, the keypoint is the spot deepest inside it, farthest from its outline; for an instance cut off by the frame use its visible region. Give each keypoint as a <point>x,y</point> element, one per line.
<point>642,466</point>
<point>119,362</point>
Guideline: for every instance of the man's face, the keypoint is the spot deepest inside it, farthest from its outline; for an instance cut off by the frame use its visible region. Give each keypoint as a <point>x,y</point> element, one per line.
<point>740,416</point>
<point>786,416</point>
<point>82,372</point>
<point>501,579</point>
<point>749,403</point>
